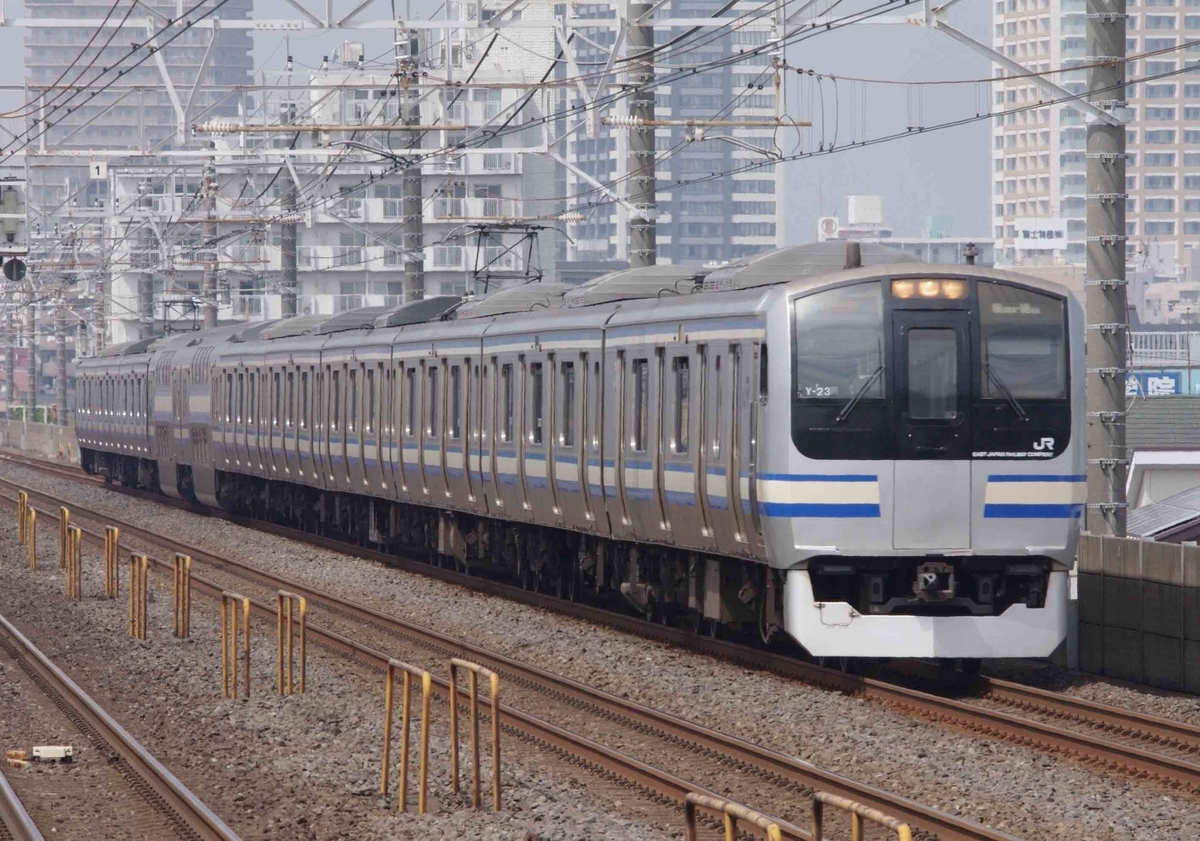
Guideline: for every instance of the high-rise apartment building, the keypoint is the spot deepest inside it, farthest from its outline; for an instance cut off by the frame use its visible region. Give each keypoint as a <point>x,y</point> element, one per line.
<point>1039,185</point>
<point>713,220</point>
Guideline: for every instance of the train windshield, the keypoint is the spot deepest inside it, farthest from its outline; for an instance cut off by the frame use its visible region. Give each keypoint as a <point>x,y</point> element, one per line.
<point>840,343</point>
<point>929,368</point>
<point>1022,343</point>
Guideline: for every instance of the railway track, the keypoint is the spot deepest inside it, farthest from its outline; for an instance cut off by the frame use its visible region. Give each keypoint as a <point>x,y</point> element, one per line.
<point>737,768</point>
<point>181,811</point>
<point>1115,738</point>
<point>15,823</point>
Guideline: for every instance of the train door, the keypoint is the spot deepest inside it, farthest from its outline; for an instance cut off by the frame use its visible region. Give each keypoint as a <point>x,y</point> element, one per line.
<point>304,454</point>
<point>680,450</point>
<point>458,485</point>
<point>320,424</point>
<point>435,430</point>
<point>932,376</point>
<point>613,468</point>
<point>534,466</point>
<point>567,442</point>
<point>641,465</point>
<point>355,426</point>
<point>719,475</point>
<point>590,433</point>
<point>410,454</point>
<point>333,423</point>
<point>741,368</point>
<point>275,452</point>
<point>508,402</point>
<point>492,434</point>
<point>373,433</point>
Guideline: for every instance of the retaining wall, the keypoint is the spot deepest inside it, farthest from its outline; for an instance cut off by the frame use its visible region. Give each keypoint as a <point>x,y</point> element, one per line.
<point>1139,611</point>
<point>40,439</point>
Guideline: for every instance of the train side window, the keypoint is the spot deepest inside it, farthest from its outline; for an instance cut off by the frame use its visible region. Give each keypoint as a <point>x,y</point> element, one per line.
<point>455,401</point>
<point>599,386</point>
<point>431,419</point>
<point>536,419</point>
<point>252,386</point>
<point>717,403</point>
<point>275,419</point>
<point>567,438</point>
<point>290,408</point>
<point>353,400</point>
<point>641,401</point>
<point>506,379</point>
<point>681,368</point>
<point>369,419</point>
<point>410,375</point>
<point>304,400</point>
<point>335,398</point>
<point>241,397</point>
<point>228,398</point>
<point>762,374</point>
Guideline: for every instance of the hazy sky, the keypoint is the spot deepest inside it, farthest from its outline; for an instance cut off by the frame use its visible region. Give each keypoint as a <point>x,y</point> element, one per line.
<point>944,173</point>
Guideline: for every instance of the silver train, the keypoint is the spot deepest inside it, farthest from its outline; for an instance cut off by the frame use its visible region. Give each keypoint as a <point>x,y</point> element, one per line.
<point>881,460</point>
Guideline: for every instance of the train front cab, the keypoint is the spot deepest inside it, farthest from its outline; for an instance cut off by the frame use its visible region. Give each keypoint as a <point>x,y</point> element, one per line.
<point>936,486</point>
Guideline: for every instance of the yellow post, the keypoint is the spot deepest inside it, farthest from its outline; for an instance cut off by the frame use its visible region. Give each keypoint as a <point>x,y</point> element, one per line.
<point>730,813</point>
<point>74,563</point>
<point>494,680</point>
<point>31,535</point>
<point>64,523</point>
<point>22,514</point>
<point>232,605</point>
<point>409,673</point>
<point>287,623</point>
<point>858,813</point>
<point>112,562</point>
<point>139,568</point>
<point>183,595</point>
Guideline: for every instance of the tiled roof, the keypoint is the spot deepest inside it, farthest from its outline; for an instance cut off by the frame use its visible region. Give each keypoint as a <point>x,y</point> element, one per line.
<point>1163,423</point>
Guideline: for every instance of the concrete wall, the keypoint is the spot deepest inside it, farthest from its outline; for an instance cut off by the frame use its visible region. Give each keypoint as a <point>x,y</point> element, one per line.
<point>1139,611</point>
<point>40,439</point>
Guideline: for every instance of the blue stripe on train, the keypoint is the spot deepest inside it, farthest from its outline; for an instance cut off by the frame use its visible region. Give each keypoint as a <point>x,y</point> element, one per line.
<point>1015,511</point>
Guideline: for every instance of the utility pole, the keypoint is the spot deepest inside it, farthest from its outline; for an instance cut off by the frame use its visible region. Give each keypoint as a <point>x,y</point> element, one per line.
<point>31,362</point>
<point>289,276</point>
<point>60,350</point>
<point>1107,316</point>
<point>640,162</point>
<point>10,356</point>
<point>145,242</point>
<point>411,184</point>
<point>208,283</point>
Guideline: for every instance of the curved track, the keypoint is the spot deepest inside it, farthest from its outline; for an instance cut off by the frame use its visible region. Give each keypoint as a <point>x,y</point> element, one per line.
<point>183,811</point>
<point>15,823</point>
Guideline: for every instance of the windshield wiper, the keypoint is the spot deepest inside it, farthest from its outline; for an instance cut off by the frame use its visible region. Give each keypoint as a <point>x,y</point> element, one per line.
<point>1004,391</point>
<point>858,395</point>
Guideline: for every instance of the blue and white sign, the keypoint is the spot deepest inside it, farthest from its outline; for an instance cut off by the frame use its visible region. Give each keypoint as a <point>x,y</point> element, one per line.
<point>1153,383</point>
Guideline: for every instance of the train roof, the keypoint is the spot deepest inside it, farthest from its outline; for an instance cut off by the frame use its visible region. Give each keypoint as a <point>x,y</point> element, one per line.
<point>528,297</point>
<point>783,265</point>
<point>632,284</point>
<point>418,312</point>
<point>301,325</point>
<point>362,318</point>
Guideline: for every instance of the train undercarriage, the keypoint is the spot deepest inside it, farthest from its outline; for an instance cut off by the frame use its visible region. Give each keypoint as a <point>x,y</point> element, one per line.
<point>714,594</point>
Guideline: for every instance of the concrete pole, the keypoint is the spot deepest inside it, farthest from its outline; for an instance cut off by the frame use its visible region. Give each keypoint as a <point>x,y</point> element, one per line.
<point>1105,285</point>
<point>412,191</point>
<point>145,243</point>
<point>60,350</point>
<point>10,356</point>
<point>208,282</point>
<point>289,277</point>
<point>31,366</point>
<point>640,162</point>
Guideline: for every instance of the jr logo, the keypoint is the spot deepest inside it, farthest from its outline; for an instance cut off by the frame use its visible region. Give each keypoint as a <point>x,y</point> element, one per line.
<point>1044,445</point>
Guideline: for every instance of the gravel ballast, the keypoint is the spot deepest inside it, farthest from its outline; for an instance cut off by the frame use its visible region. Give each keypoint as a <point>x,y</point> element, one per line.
<point>1024,792</point>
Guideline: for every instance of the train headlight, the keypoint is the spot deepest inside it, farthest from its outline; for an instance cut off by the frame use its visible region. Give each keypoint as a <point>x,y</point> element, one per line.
<point>956,289</point>
<point>929,288</point>
<point>903,288</point>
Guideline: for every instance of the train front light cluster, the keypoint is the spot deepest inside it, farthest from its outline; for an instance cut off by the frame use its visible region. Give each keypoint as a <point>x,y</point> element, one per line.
<point>929,288</point>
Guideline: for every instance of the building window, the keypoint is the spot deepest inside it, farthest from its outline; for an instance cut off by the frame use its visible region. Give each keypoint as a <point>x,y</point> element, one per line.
<point>1160,205</point>
<point>1157,228</point>
<point>1159,182</point>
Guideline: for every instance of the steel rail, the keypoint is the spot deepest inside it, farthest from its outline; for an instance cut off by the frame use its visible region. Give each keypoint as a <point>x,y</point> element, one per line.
<point>580,749</point>
<point>970,716</point>
<point>182,809</point>
<point>14,820</point>
<point>774,766</point>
